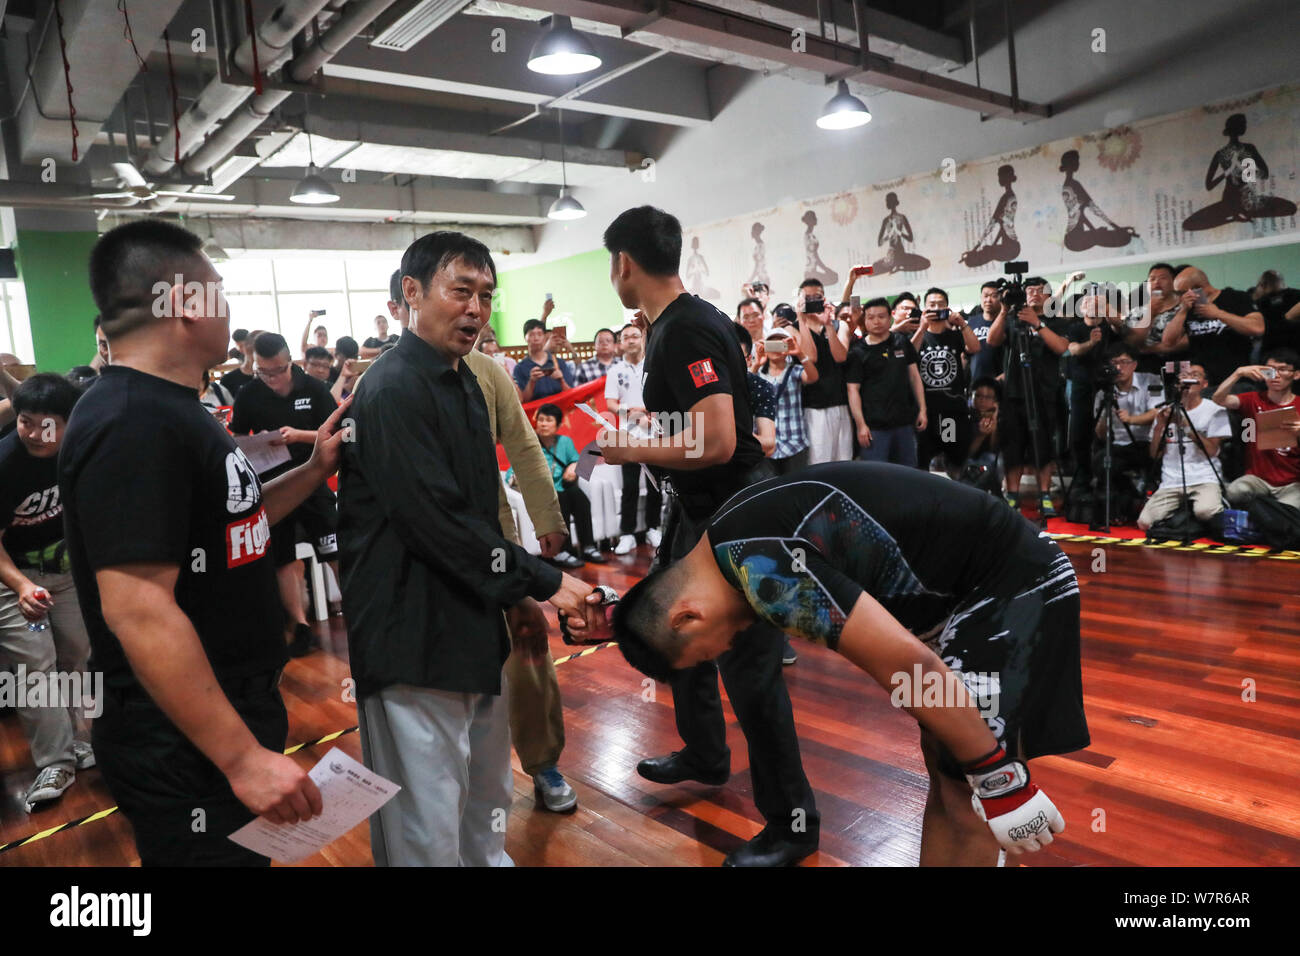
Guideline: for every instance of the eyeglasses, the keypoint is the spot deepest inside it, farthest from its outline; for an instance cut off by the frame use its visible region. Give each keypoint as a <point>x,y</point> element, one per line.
<point>1124,362</point>
<point>269,373</point>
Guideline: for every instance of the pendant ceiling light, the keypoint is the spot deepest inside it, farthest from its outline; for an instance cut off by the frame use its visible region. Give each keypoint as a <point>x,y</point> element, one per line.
<point>562,50</point>
<point>565,207</point>
<point>844,111</point>
<point>312,190</point>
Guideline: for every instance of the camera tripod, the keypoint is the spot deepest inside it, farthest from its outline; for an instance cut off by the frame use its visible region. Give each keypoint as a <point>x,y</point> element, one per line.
<point>1108,406</point>
<point>1178,415</point>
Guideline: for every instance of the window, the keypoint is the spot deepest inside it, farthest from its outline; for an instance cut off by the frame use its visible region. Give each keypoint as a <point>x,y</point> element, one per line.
<point>15,329</point>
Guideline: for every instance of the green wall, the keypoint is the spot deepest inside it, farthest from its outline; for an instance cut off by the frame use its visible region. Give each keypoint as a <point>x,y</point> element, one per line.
<point>580,285</point>
<point>52,266</point>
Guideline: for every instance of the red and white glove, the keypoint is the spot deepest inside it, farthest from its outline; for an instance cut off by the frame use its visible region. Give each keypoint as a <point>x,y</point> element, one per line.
<point>1020,815</point>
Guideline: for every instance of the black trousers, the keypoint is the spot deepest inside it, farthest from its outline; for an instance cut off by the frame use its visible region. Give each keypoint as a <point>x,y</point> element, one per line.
<point>178,803</point>
<point>751,671</point>
<point>576,506</point>
<point>654,501</point>
<point>944,417</point>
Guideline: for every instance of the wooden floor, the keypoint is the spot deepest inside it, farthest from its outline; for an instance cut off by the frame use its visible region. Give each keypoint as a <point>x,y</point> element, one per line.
<point>1182,770</point>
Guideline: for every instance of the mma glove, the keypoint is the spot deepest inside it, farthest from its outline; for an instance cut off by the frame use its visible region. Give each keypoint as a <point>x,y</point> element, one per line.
<point>1020,815</point>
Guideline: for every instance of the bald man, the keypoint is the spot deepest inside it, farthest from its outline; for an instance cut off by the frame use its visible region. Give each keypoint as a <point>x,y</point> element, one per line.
<point>1219,324</point>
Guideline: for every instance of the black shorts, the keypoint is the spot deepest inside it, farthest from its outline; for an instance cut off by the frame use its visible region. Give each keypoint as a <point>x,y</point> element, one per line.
<point>161,781</point>
<point>315,521</point>
<point>1014,434</point>
<point>1019,657</point>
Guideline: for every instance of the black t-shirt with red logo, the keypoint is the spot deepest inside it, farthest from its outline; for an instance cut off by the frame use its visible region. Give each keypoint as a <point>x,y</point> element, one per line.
<point>146,474</point>
<point>31,515</point>
<point>692,353</point>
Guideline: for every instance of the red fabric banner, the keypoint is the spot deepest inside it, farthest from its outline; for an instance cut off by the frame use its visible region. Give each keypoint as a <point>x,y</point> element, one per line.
<point>576,425</point>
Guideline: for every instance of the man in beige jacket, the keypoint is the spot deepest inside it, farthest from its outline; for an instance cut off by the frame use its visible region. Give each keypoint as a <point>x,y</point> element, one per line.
<point>536,711</point>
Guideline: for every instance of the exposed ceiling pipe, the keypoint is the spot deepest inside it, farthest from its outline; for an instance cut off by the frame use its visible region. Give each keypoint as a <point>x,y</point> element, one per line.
<point>324,48</point>
<point>218,100</point>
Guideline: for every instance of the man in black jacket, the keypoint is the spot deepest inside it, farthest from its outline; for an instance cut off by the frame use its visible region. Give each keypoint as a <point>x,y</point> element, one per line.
<point>427,574</point>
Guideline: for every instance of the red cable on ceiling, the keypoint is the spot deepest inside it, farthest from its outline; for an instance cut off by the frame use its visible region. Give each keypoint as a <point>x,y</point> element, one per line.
<point>67,78</point>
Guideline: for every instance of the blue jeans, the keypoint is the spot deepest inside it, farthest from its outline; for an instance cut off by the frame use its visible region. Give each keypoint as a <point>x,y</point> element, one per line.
<point>896,445</point>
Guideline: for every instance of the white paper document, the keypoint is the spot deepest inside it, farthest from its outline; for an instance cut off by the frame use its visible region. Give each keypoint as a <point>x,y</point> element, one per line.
<point>349,793</point>
<point>601,420</point>
<point>259,451</point>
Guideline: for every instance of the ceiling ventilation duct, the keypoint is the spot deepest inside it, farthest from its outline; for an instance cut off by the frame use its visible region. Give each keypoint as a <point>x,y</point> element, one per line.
<point>410,22</point>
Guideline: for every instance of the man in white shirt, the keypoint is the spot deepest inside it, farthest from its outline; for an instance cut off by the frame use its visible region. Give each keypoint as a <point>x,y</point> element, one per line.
<point>623,398</point>
<point>1196,462</point>
<point>1137,399</point>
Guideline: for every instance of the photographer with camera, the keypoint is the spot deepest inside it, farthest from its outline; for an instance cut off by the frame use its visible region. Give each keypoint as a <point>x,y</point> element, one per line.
<point>826,401</point>
<point>1273,472</point>
<point>1219,324</point>
<point>1027,416</point>
<point>1098,325</point>
<point>1189,430</point>
<point>940,342</point>
<point>1123,409</point>
<point>540,374</point>
<point>906,314</point>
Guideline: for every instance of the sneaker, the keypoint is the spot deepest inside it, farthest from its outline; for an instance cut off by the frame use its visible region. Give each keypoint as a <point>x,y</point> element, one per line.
<point>788,656</point>
<point>594,556</point>
<point>1045,507</point>
<point>304,641</point>
<point>49,785</point>
<point>552,792</point>
<point>1013,500</point>
<point>626,544</point>
<point>653,537</point>
<point>84,754</point>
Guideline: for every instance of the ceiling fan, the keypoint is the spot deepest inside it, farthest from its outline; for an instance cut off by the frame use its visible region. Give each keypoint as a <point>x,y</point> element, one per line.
<point>131,189</point>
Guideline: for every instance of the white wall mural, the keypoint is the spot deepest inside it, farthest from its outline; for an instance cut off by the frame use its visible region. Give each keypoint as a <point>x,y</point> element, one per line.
<point>1225,173</point>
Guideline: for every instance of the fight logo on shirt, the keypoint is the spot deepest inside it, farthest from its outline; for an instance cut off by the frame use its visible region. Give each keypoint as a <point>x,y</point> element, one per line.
<point>247,538</point>
<point>242,488</point>
<point>38,507</point>
<point>302,404</point>
<point>702,372</point>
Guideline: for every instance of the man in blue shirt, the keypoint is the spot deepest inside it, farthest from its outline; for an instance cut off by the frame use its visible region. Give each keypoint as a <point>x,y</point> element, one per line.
<point>540,374</point>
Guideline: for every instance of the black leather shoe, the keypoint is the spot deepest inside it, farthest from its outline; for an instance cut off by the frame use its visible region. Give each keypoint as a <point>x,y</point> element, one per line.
<point>768,849</point>
<point>593,556</point>
<point>566,560</point>
<point>674,769</point>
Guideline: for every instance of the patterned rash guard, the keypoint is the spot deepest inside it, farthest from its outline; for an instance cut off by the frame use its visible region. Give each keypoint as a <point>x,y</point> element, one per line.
<point>803,548</point>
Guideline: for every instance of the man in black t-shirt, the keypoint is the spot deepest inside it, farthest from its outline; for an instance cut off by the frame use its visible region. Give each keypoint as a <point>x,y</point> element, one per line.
<point>376,344</point>
<point>938,591</point>
<point>1098,327</point>
<point>942,342</point>
<point>886,396</point>
<point>1280,307</point>
<point>168,531</point>
<point>41,629</point>
<point>1042,341</point>
<point>287,400</point>
<point>1219,324</point>
<point>694,388</point>
<point>825,401</point>
<point>988,362</point>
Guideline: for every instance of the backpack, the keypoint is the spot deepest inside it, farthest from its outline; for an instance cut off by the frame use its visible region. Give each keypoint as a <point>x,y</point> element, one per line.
<point>1179,526</point>
<point>1278,525</point>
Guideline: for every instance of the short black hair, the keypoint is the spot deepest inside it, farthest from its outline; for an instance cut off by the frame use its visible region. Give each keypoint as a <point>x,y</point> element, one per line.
<point>534,324</point>
<point>128,262</point>
<point>550,411</point>
<point>650,237</point>
<point>316,352</point>
<point>809,283</point>
<point>239,335</point>
<point>346,347</point>
<point>750,301</point>
<point>1163,265</point>
<point>784,310</point>
<point>434,251</point>
<point>1283,353</point>
<point>45,393</point>
<point>598,331</point>
<point>933,289</point>
<point>991,284</point>
<point>1121,348</point>
<point>1036,280</point>
<point>987,381</point>
<point>320,328</point>
<point>270,344</point>
<point>99,320</point>
<point>746,340</point>
<point>395,287</point>
<point>641,625</point>
<point>878,302</point>
<point>905,295</point>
